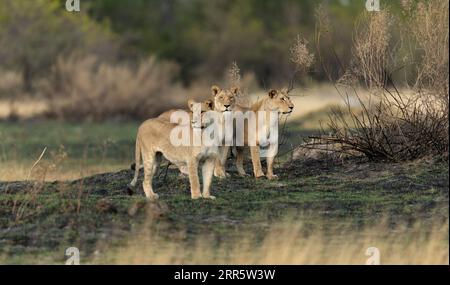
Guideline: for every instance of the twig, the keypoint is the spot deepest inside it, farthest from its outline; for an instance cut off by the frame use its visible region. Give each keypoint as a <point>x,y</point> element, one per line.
<point>36,163</point>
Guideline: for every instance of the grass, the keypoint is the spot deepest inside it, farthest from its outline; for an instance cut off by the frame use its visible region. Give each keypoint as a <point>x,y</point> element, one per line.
<point>39,219</point>
<point>79,149</point>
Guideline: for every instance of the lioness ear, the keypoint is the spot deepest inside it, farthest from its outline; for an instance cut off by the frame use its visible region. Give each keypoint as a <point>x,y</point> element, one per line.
<point>215,90</point>
<point>234,90</point>
<point>285,90</point>
<point>273,93</point>
<point>209,103</point>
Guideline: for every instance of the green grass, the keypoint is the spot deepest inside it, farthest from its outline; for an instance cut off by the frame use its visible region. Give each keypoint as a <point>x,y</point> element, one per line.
<point>38,221</point>
<point>25,140</point>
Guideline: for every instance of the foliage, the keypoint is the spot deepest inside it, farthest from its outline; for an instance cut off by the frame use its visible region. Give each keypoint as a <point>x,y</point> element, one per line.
<point>34,33</point>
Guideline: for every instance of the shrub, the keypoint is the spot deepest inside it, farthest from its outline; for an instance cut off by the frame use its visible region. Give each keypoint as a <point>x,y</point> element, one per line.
<point>88,89</point>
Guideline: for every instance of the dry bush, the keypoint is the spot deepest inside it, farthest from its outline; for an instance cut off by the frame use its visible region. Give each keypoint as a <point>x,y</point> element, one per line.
<point>429,26</point>
<point>10,82</point>
<point>246,83</point>
<point>87,89</point>
<point>371,48</point>
<point>10,89</point>
<point>390,128</point>
<point>300,54</point>
<point>394,125</point>
<point>301,57</point>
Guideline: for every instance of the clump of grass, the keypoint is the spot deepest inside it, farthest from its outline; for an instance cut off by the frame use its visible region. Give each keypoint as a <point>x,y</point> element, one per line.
<point>234,75</point>
<point>301,57</point>
<point>300,54</point>
<point>234,79</point>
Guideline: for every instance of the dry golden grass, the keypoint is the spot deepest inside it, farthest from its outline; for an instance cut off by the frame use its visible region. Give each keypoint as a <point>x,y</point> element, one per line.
<point>288,243</point>
<point>25,108</point>
<point>19,171</point>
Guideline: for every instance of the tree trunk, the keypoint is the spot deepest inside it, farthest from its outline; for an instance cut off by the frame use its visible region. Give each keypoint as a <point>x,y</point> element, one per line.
<point>27,76</point>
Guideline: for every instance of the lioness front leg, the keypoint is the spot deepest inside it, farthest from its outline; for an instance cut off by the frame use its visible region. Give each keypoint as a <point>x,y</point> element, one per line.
<point>270,174</point>
<point>272,152</point>
<point>219,169</point>
<point>256,161</point>
<point>240,161</point>
<point>207,173</point>
<point>193,179</point>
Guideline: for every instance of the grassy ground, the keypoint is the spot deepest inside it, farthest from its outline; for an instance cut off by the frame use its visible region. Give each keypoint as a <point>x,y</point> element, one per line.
<point>40,219</point>
<point>73,149</point>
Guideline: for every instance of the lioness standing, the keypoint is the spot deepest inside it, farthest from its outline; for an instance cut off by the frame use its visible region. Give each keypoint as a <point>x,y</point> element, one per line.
<point>206,106</point>
<point>154,140</point>
<point>224,102</point>
<point>276,101</point>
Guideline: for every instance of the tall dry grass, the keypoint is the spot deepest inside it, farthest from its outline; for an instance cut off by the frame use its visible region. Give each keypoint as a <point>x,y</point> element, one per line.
<point>394,125</point>
<point>290,242</point>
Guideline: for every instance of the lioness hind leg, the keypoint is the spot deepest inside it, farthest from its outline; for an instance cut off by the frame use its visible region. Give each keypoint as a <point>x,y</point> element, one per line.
<point>270,174</point>
<point>207,173</point>
<point>257,168</point>
<point>240,161</point>
<point>273,149</point>
<point>132,185</point>
<point>219,169</point>
<point>150,165</point>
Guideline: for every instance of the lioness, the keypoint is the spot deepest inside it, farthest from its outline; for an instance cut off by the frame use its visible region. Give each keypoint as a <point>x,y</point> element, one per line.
<point>276,100</point>
<point>154,140</point>
<point>224,101</point>
<point>206,105</point>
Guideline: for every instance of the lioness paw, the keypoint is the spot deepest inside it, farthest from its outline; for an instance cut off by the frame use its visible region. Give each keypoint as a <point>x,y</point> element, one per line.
<point>153,197</point>
<point>272,177</point>
<point>209,197</point>
<point>221,175</point>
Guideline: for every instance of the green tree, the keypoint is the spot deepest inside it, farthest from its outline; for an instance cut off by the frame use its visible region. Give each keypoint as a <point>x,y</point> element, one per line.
<point>34,33</point>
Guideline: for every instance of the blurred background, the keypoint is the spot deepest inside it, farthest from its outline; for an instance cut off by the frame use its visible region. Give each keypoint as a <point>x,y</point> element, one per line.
<point>79,83</point>
<point>116,60</point>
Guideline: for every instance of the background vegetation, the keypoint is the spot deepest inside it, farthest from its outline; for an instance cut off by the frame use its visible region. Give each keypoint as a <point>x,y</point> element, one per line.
<point>55,55</point>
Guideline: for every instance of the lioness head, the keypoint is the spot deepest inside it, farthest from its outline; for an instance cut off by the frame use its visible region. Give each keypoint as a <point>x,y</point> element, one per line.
<point>224,100</point>
<point>207,105</point>
<point>198,110</point>
<point>278,100</point>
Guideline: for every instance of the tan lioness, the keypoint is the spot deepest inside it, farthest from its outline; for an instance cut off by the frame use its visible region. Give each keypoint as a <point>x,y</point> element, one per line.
<point>224,101</point>
<point>154,140</point>
<point>275,101</point>
<point>206,105</point>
